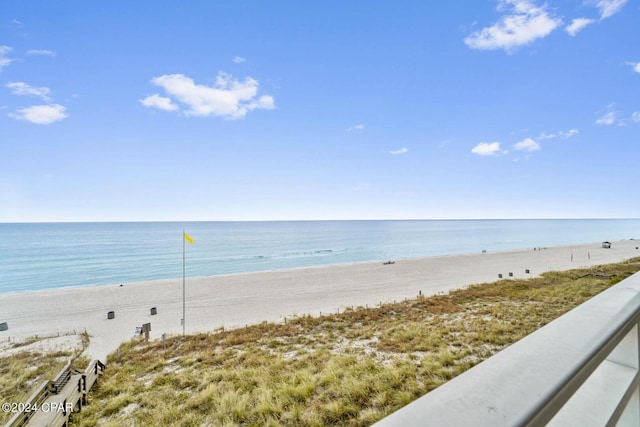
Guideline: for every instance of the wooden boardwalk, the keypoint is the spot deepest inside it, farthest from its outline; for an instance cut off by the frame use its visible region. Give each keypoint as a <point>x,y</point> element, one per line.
<point>54,401</point>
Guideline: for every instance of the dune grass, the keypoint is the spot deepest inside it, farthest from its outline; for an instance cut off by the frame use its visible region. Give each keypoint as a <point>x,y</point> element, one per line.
<point>23,371</point>
<point>350,369</point>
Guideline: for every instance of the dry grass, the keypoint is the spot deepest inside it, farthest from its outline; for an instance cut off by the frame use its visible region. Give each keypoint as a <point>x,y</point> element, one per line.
<point>347,369</point>
<point>23,371</point>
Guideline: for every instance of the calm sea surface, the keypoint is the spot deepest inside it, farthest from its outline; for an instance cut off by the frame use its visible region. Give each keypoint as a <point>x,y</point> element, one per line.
<point>43,256</point>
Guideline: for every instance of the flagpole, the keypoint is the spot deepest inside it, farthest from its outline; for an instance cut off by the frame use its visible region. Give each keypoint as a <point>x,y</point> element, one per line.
<point>183,282</point>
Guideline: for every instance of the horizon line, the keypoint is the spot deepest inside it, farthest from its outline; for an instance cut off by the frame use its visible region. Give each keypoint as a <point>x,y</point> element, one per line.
<point>319,220</point>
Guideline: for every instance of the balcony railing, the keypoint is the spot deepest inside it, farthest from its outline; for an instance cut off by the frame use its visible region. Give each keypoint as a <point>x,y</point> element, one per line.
<point>579,370</point>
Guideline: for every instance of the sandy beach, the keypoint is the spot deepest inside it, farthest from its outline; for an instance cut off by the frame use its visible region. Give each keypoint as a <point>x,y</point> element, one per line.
<point>240,299</point>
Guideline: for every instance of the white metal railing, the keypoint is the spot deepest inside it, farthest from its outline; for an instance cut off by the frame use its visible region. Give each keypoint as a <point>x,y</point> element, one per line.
<point>580,370</point>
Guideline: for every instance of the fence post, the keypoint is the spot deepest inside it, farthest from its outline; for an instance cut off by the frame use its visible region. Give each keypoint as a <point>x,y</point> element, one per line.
<point>628,353</point>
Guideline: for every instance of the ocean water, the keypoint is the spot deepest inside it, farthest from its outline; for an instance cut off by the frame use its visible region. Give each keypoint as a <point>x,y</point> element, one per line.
<point>55,255</point>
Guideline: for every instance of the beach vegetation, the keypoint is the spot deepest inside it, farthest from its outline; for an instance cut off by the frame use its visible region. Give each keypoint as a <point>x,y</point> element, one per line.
<point>351,368</point>
<point>26,365</point>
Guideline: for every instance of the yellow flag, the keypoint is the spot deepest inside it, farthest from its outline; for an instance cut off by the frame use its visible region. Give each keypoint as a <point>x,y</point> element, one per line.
<point>188,238</point>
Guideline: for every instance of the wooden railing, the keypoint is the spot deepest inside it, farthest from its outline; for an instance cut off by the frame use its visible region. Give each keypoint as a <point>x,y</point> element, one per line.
<point>54,401</point>
<point>61,379</point>
<point>583,369</point>
<point>35,400</point>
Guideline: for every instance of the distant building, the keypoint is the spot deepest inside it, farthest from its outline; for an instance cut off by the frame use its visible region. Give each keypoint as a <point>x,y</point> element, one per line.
<point>606,245</point>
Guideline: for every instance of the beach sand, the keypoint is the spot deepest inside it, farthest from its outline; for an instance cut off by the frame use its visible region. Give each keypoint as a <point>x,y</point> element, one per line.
<point>240,299</point>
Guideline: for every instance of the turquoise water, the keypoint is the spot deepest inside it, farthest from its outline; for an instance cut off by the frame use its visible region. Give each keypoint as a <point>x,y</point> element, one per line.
<point>43,256</point>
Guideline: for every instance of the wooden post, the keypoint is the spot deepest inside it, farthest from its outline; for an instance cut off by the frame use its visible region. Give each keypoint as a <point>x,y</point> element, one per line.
<point>146,328</point>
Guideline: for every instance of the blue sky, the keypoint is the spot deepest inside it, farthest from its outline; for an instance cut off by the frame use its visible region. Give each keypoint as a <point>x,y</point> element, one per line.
<point>279,110</point>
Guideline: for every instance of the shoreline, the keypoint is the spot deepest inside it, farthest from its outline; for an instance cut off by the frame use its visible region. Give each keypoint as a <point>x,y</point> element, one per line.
<point>237,299</point>
<point>279,270</point>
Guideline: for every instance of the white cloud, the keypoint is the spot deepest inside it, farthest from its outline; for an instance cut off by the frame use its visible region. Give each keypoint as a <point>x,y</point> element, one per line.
<point>402,150</point>
<point>43,52</point>
<point>238,59</point>
<point>38,114</point>
<point>4,60</point>
<point>568,134</point>
<point>228,97</point>
<point>560,134</point>
<point>609,7</point>
<point>487,149</point>
<point>160,102</point>
<point>635,65</point>
<point>21,88</point>
<point>527,144</point>
<point>543,136</point>
<point>578,25</point>
<point>522,26</point>
<point>612,117</point>
<point>41,114</point>
<point>608,118</point>
<point>356,128</point>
